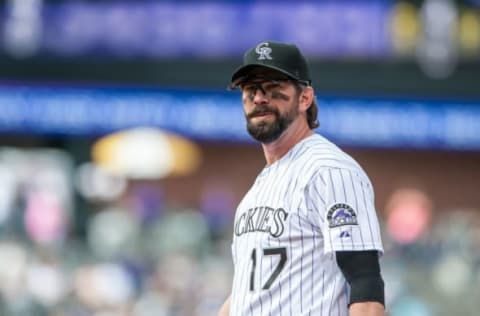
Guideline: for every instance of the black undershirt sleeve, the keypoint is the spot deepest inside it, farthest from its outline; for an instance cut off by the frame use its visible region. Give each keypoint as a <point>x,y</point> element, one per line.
<point>362,272</point>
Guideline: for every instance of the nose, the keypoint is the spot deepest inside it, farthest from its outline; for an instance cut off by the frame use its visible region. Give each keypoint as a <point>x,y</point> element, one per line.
<point>259,96</point>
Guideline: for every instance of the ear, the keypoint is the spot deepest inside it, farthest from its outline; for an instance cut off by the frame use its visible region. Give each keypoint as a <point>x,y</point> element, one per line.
<point>306,99</point>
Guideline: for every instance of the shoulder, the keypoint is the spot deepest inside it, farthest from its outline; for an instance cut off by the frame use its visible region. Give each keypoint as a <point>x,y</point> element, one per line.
<point>321,155</point>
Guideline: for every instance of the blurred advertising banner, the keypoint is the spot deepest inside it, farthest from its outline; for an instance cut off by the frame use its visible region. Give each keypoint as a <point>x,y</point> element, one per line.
<point>218,116</point>
<point>191,28</point>
<point>330,29</point>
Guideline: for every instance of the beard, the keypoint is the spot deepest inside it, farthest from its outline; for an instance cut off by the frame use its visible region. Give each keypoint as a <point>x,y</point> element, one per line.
<point>267,132</point>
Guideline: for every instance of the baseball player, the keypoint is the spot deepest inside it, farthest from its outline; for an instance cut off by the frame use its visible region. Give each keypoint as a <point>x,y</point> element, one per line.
<point>306,237</point>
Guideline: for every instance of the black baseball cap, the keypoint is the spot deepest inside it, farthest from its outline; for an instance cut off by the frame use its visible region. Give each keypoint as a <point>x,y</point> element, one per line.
<point>282,57</point>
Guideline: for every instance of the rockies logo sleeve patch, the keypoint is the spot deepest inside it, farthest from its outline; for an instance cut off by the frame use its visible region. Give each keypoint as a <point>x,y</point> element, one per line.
<point>341,214</point>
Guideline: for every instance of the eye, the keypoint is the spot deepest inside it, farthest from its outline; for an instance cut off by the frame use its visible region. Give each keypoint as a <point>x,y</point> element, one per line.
<point>272,85</point>
<point>274,88</point>
<point>247,88</point>
<point>249,93</point>
<point>277,95</point>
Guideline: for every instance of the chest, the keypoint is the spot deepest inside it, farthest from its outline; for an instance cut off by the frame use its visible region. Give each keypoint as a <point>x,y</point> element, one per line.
<point>270,212</point>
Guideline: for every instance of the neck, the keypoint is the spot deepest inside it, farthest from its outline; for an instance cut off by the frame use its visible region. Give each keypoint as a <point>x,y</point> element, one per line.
<point>290,137</point>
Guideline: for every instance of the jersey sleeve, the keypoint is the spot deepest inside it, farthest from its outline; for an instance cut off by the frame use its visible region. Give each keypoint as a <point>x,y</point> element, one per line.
<point>342,204</point>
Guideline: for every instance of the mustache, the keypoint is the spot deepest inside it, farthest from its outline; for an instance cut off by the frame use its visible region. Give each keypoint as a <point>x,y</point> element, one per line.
<point>262,109</point>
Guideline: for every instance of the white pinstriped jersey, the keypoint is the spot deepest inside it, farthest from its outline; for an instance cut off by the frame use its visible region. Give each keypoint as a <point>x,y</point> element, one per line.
<point>301,209</point>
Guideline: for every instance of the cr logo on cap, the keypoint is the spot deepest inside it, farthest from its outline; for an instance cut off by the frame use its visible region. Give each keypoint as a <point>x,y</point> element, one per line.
<point>264,51</point>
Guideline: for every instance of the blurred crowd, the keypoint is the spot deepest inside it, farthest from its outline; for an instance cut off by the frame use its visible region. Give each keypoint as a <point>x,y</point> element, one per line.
<point>77,242</point>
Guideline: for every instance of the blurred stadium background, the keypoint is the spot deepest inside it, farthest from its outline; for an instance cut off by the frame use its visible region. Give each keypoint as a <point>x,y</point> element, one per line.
<point>122,157</point>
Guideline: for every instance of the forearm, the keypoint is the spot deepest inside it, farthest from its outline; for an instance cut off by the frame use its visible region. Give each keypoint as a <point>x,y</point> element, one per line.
<point>225,309</point>
<point>362,272</point>
<point>367,309</point>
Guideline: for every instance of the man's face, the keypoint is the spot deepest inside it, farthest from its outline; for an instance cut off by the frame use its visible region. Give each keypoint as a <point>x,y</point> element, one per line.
<point>270,103</point>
